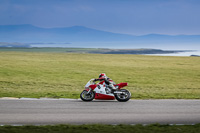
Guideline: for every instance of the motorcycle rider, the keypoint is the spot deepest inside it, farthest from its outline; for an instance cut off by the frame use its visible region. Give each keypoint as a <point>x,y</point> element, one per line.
<point>103,78</point>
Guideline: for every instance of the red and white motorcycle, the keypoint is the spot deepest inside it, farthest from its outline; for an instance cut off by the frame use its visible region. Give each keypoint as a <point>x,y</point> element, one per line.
<point>103,92</point>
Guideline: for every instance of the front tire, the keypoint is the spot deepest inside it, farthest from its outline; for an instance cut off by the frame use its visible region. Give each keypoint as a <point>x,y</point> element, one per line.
<point>123,97</point>
<point>87,97</point>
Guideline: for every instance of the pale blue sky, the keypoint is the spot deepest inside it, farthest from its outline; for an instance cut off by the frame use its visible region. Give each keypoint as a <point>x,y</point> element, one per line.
<point>136,17</point>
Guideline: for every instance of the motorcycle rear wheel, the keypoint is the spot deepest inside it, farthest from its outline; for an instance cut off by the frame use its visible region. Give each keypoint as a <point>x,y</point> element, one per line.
<point>87,97</point>
<point>123,97</point>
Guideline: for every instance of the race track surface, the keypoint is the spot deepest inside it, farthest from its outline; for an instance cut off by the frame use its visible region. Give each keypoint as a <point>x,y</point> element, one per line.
<point>62,111</point>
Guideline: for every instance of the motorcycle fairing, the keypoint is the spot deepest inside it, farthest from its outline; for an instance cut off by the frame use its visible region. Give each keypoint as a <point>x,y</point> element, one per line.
<point>121,85</point>
<point>101,93</point>
<point>104,96</point>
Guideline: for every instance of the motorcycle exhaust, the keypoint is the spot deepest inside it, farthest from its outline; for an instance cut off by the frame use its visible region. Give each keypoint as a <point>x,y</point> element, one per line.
<point>118,92</point>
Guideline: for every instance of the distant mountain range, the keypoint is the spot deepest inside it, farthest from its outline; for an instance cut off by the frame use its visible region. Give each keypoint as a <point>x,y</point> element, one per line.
<point>79,36</point>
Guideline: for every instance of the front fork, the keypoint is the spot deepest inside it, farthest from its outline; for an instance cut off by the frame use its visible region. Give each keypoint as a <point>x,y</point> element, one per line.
<point>89,91</point>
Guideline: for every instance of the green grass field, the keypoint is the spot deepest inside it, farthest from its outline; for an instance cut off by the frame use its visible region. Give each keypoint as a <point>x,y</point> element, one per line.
<point>64,75</point>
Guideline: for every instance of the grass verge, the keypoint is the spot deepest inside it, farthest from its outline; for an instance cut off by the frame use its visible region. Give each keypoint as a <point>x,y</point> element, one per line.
<point>154,128</point>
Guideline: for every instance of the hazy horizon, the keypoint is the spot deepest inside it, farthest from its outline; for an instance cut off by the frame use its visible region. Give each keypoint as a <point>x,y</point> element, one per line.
<point>97,29</point>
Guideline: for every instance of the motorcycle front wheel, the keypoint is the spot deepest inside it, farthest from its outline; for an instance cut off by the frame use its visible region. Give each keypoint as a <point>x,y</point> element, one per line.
<point>85,96</point>
<point>123,97</point>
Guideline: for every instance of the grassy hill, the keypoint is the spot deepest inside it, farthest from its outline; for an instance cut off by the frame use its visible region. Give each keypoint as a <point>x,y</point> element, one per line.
<point>64,75</point>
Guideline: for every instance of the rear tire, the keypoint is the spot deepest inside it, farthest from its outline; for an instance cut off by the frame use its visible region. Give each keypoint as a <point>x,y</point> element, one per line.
<point>123,97</point>
<point>87,97</point>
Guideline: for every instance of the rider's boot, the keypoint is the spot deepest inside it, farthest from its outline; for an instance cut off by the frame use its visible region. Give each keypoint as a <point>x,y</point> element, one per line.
<point>112,87</point>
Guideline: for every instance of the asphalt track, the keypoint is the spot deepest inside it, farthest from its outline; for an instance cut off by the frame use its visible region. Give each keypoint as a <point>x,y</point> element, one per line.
<point>62,111</point>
